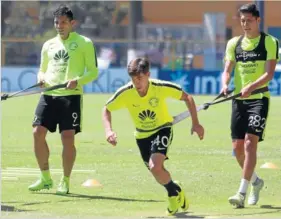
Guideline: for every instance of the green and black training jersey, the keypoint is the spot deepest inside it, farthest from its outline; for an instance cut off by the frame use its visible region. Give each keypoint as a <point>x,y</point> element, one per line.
<point>64,60</point>
<point>250,56</point>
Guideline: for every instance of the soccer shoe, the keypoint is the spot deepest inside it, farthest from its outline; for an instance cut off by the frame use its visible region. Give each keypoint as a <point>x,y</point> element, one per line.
<point>173,205</point>
<point>184,203</point>
<point>255,193</point>
<point>63,187</point>
<point>40,185</point>
<point>237,200</point>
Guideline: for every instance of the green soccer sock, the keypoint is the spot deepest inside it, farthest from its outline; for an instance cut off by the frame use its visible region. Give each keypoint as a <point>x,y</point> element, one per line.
<point>45,175</point>
<point>66,178</point>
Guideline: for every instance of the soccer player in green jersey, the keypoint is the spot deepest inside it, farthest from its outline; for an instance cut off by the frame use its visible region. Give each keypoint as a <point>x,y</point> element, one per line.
<point>145,100</point>
<point>253,56</point>
<point>68,57</point>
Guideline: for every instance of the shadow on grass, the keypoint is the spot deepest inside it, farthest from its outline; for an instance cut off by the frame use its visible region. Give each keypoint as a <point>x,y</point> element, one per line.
<point>27,203</point>
<point>34,203</point>
<point>274,210</point>
<point>73,195</point>
<point>11,208</point>
<point>185,215</point>
<point>271,207</point>
<point>182,215</point>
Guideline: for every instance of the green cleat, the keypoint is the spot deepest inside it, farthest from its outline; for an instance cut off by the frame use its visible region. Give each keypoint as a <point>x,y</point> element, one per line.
<point>237,200</point>
<point>184,203</point>
<point>40,185</point>
<point>63,187</point>
<point>173,205</point>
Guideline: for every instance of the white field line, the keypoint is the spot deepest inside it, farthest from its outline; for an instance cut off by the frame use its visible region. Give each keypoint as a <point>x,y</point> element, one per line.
<point>16,169</point>
<point>9,178</point>
<point>19,174</point>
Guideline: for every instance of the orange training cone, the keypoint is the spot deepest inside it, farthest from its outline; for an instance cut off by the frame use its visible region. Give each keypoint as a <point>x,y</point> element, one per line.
<point>91,183</point>
<point>269,165</point>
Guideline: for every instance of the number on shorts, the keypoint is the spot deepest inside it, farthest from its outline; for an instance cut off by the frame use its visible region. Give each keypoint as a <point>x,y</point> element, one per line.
<point>257,121</point>
<point>75,117</point>
<point>164,141</point>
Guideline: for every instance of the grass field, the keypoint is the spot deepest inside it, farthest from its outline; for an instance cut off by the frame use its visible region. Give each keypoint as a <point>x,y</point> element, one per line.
<point>207,169</point>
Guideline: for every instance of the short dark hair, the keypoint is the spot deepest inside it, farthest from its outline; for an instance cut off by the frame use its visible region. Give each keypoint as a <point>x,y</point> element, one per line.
<point>63,10</point>
<point>138,66</point>
<point>250,8</point>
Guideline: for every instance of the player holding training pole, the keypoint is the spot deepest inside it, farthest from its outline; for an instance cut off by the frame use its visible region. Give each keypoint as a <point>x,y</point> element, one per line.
<point>145,99</point>
<point>63,59</point>
<point>254,56</point>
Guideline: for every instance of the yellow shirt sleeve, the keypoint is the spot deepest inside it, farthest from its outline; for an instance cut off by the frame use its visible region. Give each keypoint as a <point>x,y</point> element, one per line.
<point>230,49</point>
<point>117,100</point>
<point>43,62</point>
<point>171,90</point>
<point>272,48</point>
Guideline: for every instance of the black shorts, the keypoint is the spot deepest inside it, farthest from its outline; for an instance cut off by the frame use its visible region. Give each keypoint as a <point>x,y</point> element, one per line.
<point>64,111</point>
<point>159,142</point>
<point>249,116</point>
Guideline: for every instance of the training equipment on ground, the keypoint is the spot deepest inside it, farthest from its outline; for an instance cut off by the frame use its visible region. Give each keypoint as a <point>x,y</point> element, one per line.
<point>269,165</point>
<point>92,183</point>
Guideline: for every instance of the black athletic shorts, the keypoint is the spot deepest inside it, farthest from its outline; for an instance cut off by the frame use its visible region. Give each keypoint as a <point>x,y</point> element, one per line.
<point>249,116</point>
<point>159,142</point>
<point>64,111</point>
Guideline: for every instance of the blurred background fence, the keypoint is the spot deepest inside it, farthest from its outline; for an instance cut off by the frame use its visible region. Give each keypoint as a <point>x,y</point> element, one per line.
<point>184,40</point>
<point>172,54</point>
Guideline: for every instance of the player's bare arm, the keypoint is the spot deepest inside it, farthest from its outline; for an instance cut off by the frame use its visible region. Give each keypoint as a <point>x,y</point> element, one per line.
<point>226,75</point>
<point>196,127</point>
<point>110,135</point>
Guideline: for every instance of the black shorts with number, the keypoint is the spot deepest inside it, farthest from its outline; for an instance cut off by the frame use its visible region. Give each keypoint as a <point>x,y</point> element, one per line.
<point>64,111</point>
<point>159,142</point>
<point>249,116</point>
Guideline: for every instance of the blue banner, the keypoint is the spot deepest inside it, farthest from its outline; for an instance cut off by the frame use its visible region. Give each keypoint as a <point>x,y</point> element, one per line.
<point>109,80</point>
<point>208,82</point>
<point>194,82</point>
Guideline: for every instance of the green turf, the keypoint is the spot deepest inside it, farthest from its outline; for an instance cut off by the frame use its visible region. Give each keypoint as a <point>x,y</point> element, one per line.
<point>208,171</point>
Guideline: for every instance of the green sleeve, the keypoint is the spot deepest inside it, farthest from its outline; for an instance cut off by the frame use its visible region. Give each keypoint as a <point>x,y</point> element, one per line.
<point>272,47</point>
<point>91,64</point>
<point>43,63</point>
<point>230,49</point>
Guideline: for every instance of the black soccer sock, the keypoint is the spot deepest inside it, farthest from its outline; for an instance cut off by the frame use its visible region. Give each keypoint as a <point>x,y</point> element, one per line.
<point>172,188</point>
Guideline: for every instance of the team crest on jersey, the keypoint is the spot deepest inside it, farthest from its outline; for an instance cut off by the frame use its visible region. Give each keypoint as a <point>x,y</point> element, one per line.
<point>61,55</point>
<point>147,114</point>
<point>154,102</point>
<point>73,46</point>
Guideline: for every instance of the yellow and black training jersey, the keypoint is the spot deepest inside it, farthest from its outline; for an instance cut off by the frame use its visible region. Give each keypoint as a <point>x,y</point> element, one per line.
<point>149,113</point>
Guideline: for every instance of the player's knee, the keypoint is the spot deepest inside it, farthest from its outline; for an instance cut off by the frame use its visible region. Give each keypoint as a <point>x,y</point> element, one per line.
<point>250,146</point>
<point>68,135</point>
<point>39,132</point>
<point>155,168</point>
<point>68,139</point>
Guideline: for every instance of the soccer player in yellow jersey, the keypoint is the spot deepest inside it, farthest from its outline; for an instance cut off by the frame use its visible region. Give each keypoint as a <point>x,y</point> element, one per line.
<point>253,56</point>
<point>68,57</point>
<point>145,99</point>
